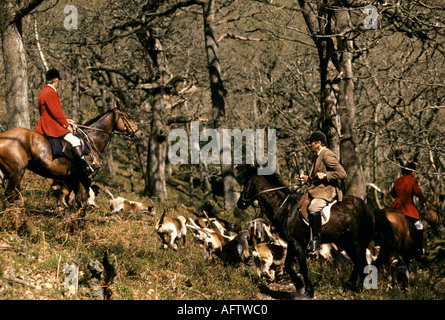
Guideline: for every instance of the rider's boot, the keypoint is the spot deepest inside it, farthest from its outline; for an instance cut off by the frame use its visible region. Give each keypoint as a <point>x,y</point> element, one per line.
<point>418,242</point>
<point>81,161</point>
<point>315,225</point>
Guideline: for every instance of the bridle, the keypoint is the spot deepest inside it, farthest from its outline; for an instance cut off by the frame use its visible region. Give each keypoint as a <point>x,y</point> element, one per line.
<point>128,129</point>
<point>294,188</point>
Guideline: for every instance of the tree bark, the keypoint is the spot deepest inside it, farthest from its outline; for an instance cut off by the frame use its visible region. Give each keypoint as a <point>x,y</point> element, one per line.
<point>355,182</point>
<point>157,140</point>
<point>218,93</point>
<point>337,88</point>
<point>14,56</point>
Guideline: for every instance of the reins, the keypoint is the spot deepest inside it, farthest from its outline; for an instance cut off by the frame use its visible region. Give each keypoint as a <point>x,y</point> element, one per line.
<point>292,187</point>
<point>92,128</point>
<point>129,131</point>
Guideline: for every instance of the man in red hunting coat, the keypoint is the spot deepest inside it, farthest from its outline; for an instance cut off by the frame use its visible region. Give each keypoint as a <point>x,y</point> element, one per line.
<point>405,188</point>
<point>53,123</point>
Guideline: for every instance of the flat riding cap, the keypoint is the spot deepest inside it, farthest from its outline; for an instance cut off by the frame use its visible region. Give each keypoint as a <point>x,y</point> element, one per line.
<point>318,136</point>
<point>52,74</point>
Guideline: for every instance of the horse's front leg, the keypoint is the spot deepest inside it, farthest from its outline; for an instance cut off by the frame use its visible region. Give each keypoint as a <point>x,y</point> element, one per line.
<point>298,252</point>
<point>83,203</point>
<point>424,260</point>
<point>81,194</point>
<point>358,257</point>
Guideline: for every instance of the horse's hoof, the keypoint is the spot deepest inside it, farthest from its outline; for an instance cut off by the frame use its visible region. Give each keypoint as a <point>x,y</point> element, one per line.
<point>305,296</point>
<point>352,287</point>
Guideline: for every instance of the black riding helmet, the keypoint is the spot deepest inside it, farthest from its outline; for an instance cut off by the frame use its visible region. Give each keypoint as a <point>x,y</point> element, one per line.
<point>318,136</point>
<point>52,74</point>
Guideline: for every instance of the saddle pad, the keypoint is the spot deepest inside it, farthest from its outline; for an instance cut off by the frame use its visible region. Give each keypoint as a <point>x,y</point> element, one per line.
<point>58,144</point>
<point>325,214</point>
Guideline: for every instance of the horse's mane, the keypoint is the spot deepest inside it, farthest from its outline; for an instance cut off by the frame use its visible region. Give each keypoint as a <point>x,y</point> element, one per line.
<point>94,120</point>
<point>276,181</point>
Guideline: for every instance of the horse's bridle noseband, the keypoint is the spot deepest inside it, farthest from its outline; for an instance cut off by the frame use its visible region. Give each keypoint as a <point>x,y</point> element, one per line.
<point>129,130</point>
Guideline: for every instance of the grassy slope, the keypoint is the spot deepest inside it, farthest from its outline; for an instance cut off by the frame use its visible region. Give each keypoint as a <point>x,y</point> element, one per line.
<point>42,245</point>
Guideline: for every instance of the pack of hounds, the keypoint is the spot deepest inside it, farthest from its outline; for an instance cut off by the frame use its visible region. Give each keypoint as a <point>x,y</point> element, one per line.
<point>258,242</point>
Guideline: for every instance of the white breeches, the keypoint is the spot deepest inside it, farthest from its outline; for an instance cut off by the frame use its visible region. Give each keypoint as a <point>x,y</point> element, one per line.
<point>72,140</point>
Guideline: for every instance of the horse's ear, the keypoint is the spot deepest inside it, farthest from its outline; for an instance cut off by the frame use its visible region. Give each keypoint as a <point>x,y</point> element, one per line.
<point>245,171</point>
<point>117,105</point>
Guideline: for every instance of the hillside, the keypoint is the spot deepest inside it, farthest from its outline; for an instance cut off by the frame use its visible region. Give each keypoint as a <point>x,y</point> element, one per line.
<point>36,245</point>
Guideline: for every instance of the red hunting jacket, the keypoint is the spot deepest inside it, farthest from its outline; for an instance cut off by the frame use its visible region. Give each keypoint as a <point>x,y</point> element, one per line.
<point>52,122</point>
<point>405,188</point>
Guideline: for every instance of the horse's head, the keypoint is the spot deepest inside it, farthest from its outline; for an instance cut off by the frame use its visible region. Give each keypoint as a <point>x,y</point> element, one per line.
<point>249,190</point>
<point>432,215</point>
<point>125,124</point>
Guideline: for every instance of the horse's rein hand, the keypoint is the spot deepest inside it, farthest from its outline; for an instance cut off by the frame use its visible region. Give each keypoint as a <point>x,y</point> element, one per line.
<point>73,127</point>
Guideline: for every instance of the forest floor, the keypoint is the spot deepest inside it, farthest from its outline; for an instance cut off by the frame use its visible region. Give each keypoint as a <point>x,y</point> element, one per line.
<point>37,246</point>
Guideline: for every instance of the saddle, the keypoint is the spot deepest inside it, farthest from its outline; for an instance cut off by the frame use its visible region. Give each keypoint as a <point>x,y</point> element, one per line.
<point>303,206</point>
<point>62,149</point>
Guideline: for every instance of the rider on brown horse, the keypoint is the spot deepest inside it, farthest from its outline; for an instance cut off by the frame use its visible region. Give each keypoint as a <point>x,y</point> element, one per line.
<point>323,184</point>
<point>403,191</point>
<point>53,123</point>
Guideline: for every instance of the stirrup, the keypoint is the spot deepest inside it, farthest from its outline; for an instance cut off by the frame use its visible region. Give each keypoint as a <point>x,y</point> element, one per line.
<point>313,246</point>
<point>85,166</point>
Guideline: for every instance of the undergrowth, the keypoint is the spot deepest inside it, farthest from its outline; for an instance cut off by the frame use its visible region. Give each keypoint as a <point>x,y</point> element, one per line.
<point>38,244</point>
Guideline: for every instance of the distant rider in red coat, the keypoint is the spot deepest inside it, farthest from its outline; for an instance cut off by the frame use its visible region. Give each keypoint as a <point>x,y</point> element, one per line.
<point>405,188</point>
<point>53,123</point>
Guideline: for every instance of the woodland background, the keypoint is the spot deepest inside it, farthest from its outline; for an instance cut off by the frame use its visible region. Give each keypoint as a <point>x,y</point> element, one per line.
<point>296,66</point>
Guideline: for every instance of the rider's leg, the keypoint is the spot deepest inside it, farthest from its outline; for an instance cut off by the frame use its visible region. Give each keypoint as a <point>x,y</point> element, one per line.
<point>77,153</point>
<point>418,237</point>
<point>315,223</point>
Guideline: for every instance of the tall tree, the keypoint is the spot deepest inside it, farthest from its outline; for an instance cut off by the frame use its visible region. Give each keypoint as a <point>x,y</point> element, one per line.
<point>331,32</point>
<point>14,55</point>
<point>157,140</point>
<point>218,96</point>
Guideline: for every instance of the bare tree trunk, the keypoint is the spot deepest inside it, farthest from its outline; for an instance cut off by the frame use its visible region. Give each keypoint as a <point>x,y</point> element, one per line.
<point>14,56</point>
<point>355,182</point>
<point>337,88</point>
<point>218,93</point>
<point>75,97</point>
<point>157,152</point>
<point>157,141</point>
<point>16,78</point>
<point>320,24</point>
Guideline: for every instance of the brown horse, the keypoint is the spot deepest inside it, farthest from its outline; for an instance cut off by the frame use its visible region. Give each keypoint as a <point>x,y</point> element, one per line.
<point>392,234</point>
<point>350,225</point>
<point>22,149</point>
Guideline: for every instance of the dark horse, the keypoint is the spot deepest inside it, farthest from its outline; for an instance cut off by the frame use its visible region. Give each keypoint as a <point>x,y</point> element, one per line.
<point>22,149</point>
<point>350,225</point>
<point>393,235</point>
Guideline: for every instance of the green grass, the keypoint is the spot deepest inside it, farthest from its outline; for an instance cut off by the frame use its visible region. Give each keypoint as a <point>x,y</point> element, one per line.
<point>42,245</point>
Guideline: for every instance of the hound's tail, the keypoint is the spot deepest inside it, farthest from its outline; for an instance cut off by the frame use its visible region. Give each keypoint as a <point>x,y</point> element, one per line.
<point>109,193</point>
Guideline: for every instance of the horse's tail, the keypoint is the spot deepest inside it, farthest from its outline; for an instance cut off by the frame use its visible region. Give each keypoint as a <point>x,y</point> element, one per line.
<point>383,237</point>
